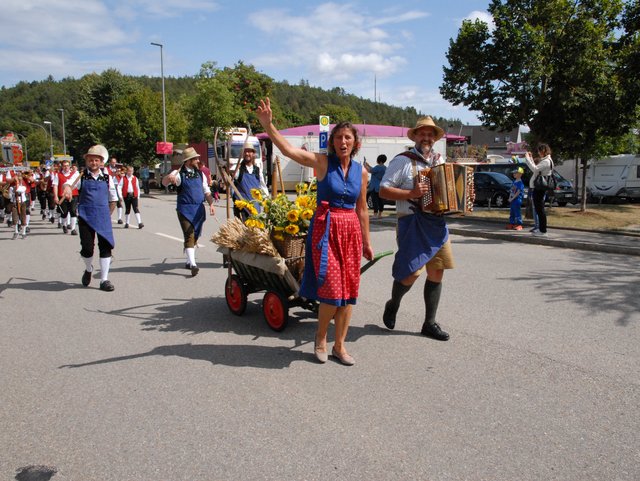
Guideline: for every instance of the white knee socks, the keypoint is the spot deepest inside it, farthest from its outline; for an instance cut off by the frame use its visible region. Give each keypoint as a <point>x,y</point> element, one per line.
<point>105,262</point>
<point>191,255</point>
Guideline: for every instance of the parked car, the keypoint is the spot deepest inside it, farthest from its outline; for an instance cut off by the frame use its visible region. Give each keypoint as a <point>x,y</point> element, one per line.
<point>564,193</point>
<point>492,188</point>
<point>386,201</point>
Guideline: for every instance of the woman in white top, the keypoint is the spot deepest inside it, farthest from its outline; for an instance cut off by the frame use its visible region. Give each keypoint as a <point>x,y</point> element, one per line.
<point>543,167</point>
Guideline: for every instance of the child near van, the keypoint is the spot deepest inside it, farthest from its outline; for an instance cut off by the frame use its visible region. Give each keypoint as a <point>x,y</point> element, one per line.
<point>515,200</point>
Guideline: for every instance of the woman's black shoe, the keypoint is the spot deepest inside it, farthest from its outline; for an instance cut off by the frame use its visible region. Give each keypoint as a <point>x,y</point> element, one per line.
<point>106,286</point>
<point>433,331</point>
<point>86,278</point>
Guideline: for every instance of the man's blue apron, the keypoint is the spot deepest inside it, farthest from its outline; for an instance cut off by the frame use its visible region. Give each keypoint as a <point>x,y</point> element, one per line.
<point>420,237</point>
<point>93,207</point>
<point>190,202</point>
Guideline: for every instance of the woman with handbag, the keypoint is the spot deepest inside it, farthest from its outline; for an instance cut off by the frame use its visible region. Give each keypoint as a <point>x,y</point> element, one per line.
<point>543,169</point>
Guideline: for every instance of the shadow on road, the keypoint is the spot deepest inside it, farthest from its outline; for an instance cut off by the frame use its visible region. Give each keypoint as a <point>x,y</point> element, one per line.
<point>596,285</point>
<point>195,316</point>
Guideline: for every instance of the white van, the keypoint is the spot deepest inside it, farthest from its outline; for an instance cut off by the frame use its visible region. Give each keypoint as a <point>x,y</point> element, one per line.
<point>234,143</point>
<point>615,176</point>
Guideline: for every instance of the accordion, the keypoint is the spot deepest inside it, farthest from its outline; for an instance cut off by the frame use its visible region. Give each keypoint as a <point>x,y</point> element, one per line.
<point>451,189</point>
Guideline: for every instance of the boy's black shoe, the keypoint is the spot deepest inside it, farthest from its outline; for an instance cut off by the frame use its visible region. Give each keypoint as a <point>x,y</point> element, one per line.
<point>119,221</point>
<point>433,331</point>
<point>86,278</point>
<point>64,229</point>
<point>106,286</point>
<point>140,225</point>
<point>194,271</point>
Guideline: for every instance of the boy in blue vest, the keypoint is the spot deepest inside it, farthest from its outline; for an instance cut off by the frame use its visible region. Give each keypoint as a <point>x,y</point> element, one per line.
<point>516,196</point>
<point>94,217</point>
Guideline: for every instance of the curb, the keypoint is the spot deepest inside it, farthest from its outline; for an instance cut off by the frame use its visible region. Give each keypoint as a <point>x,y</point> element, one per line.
<point>548,241</point>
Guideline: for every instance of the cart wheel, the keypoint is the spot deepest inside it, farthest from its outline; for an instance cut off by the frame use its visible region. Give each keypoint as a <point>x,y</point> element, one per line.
<point>276,310</point>
<point>235,292</point>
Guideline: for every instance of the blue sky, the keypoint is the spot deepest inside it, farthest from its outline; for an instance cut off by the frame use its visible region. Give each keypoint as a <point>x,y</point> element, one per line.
<point>330,44</point>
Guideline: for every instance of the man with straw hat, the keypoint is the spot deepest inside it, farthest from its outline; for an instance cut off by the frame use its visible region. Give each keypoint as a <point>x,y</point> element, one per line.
<point>423,238</point>
<point>247,178</point>
<point>193,189</point>
<point>93,185</point>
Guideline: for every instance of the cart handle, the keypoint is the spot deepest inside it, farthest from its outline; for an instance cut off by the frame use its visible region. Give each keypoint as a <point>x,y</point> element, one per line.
<point>375,259</point>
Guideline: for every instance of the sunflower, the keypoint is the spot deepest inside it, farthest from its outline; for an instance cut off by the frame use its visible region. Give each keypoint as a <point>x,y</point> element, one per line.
<point>292,229</point>
<point>240,204</point>
<point>256,194</point>
<point>293,215</point>
<point>307,214</point>
<point>252,210</point>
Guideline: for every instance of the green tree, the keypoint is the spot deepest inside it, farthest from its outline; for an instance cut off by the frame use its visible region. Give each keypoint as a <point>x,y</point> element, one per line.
<point>337,113</point>
<point>248,87</point>
<point>212,105</point>
<point>553,65</point>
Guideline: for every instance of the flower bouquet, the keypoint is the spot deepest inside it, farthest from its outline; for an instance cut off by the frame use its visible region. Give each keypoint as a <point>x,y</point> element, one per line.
<point>287,221</point>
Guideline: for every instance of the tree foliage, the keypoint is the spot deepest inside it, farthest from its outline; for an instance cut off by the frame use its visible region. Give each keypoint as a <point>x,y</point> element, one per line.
<point>566,68</point>
<point>125,112</point>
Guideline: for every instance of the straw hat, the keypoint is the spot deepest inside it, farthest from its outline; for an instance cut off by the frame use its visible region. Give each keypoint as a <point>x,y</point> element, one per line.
<point>189,153</point>
<point>99,150</point>
<point>425,122</point>
<point>248,146</point>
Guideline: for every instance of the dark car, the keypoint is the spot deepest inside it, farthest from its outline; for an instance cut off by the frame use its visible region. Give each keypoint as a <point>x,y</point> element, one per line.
<point>492,188</point>
<point>564,192</point>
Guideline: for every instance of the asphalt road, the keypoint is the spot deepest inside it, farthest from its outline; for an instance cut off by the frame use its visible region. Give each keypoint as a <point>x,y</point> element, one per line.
<point>159,381</point>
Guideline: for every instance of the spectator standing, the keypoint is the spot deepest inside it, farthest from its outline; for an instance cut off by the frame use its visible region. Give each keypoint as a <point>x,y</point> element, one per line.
<point>377,173</point>
<point>144,177</point>
<point>516,195</point>
<point>544,167</point>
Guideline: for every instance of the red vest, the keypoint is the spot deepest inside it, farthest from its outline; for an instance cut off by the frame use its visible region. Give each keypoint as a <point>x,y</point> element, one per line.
<point>134,185</point>
<point>62,178</point>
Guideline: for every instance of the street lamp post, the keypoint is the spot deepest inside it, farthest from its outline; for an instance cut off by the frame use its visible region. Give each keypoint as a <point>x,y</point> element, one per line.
<point>45,132</point>
<point>46,122</point>
<point>164,108</point>
<point>64,138</point>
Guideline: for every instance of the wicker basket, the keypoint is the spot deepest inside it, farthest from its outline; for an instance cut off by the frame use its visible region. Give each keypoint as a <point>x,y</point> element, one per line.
<point>292,250</point>
<point>291,246</point>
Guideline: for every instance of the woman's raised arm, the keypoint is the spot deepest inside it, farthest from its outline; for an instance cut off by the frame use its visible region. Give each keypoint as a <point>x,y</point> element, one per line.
<point>301,156</point>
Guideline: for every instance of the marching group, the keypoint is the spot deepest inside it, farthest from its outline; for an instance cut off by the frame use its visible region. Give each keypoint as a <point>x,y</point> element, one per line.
<point>62,200</point>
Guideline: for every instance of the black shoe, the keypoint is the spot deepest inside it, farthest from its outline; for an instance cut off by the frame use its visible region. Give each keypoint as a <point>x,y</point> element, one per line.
<point>44,217</point>
<point>106,286</point>
<point>59,225</point>
<point>126,226</point>
<point>28,230</point>
<point>433,331</point>
<point>194,271</point>
<point>389,315</point>
<point>51,220</point>
<point>74,232</point>
<point>140,225</point>
<point>64,229</point>
<point>86,278</point>
<point>119,221</point>
<point>187,266</point>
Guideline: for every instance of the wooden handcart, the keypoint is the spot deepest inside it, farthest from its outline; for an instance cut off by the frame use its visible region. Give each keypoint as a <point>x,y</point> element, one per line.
<point>257,272</point>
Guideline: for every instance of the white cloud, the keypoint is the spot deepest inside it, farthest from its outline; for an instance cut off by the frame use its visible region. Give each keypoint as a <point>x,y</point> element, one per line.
<point>404,17</point>
<point>333,42</point>
<point>482,16</point>
<point>63,23</point>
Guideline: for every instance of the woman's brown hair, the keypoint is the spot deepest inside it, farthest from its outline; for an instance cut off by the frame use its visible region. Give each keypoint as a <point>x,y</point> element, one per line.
<point>544,150</point>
